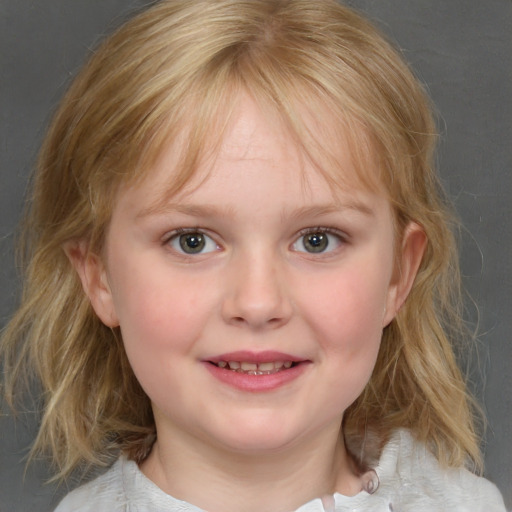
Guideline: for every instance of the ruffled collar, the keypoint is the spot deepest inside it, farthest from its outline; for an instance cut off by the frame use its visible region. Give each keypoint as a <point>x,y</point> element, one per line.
<point>142,491</point>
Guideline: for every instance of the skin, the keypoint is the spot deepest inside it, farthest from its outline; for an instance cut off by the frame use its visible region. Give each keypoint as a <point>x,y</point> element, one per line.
<point>255,287</point>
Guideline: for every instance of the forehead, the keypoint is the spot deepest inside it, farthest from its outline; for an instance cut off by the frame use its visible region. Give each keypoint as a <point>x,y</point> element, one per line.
<point>319,153</point>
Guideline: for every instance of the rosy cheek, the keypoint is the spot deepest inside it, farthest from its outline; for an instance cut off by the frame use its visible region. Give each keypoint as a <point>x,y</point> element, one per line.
<point>346,305</point>
<point>161,312</point>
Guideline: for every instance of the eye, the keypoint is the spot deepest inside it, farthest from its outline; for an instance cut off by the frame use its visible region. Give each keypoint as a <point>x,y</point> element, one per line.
<point>318,240</point>
<point>192,242</point>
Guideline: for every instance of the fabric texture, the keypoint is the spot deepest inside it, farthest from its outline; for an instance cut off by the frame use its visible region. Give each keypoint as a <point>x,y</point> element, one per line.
<point>410,480</point>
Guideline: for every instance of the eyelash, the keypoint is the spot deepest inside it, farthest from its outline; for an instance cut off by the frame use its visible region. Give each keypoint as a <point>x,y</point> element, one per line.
<point>341,236</point>
<point>177,233</point>
<point>323,229</point>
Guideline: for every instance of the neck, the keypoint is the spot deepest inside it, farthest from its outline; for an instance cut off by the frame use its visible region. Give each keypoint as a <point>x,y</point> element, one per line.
<point>217,479</point>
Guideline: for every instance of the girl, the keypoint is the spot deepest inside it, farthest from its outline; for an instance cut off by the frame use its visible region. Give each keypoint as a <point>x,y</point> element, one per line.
<point>241,281</point>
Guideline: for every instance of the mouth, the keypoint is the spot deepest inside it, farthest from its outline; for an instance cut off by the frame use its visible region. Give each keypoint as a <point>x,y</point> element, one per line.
<point>246,362</point>
<point>253,368</point>
<point>256,372</point>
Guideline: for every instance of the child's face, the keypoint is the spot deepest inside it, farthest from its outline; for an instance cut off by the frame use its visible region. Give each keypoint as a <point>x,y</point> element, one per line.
<point>250,266</point>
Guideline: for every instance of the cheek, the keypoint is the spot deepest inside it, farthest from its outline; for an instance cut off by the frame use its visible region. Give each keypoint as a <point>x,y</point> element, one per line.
<point>347,324</point>
<point>348,299</point>
<point>159,313</point>
<point>346,310</point>
<point>161,320</point>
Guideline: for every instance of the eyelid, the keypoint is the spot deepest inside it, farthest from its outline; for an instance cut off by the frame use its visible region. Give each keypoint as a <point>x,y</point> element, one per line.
<point>343,238</point>
<point>324,229</point>
<point>183,231</point>
<point>174,234</point>
<point>179,231</point>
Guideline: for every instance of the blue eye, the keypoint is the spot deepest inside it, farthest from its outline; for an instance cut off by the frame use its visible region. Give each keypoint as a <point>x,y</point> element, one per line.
<point>317,241</point>
<point>192,242</point>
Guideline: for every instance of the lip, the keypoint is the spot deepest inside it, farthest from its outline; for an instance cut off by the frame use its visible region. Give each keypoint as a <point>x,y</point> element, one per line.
<point>266,356</point>
<point>256,383</point>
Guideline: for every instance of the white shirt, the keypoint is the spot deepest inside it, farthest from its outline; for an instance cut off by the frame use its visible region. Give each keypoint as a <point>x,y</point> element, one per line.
<point>410,480</point>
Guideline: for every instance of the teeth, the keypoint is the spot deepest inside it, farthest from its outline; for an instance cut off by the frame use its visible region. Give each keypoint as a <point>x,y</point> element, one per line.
<point>249,367</point>
<point>255,368</point>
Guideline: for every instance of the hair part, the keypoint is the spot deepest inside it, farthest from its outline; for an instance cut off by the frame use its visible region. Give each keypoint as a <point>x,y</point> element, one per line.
<point>172,74</point>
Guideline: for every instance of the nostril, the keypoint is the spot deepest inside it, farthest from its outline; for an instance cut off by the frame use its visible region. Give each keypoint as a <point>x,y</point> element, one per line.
<point>271,322</point>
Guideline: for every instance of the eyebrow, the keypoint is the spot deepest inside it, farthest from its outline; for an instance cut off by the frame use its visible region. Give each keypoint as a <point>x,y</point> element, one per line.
<point>204,210</point>
<point>326,209</point>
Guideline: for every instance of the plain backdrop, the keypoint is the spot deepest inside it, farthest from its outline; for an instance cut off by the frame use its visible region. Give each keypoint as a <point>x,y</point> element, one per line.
<point>461,49</point>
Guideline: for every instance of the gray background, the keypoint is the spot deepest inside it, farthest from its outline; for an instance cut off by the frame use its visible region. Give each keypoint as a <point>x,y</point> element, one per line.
<point>462,50</point>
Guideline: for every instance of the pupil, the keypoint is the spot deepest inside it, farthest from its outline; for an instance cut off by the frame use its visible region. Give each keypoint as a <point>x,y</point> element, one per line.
<point>316,242</point>
<point>192,243</point>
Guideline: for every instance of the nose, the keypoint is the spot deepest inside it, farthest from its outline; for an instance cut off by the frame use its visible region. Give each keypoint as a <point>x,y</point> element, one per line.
<point>256,296</point>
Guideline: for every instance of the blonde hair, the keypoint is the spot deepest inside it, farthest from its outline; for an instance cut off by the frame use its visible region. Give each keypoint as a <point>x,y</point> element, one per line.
<point>173,70</point>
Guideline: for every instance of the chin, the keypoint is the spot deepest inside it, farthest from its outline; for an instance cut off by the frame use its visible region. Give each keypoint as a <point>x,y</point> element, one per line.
<point>255,437</point>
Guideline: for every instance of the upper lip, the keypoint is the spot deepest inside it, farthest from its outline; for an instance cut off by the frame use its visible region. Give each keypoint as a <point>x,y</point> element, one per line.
<point>266,356</point>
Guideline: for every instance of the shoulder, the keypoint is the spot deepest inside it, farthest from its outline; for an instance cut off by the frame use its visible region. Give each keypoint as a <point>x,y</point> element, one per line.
<point>409,471</point>
<point>123,488</point>
<point>105,492</point>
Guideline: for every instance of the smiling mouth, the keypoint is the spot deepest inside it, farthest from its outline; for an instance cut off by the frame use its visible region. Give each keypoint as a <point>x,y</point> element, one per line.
<point>251,368</point>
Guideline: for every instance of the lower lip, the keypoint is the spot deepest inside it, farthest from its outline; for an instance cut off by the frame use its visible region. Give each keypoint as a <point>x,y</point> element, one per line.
<point>256,383</point>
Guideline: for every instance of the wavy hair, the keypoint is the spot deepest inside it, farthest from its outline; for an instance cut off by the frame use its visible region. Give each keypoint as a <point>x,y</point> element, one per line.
<point>172,72</point>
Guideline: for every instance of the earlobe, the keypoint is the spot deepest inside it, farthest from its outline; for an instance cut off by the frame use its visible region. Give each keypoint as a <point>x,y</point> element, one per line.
<point>93,276</point>
<point>413,247</point>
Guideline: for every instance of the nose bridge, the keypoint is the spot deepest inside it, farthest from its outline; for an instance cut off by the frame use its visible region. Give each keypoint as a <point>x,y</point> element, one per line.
<point>257,293</point>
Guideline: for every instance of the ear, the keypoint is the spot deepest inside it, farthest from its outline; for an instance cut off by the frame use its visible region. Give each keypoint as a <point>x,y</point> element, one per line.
<point>413,247</point>
<point>92,273</point>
